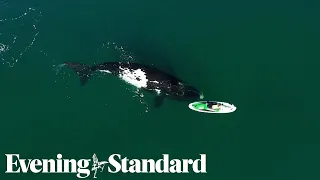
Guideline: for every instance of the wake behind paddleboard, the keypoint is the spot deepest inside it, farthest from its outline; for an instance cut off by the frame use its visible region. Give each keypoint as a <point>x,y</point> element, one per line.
<point>212,107</point>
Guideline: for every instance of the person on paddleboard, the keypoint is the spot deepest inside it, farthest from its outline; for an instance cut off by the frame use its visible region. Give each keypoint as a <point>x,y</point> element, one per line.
<point>209,106</point>
<point>213,106</point>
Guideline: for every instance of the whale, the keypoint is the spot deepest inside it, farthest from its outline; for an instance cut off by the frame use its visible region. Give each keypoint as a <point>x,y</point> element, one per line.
<point>143,77</point>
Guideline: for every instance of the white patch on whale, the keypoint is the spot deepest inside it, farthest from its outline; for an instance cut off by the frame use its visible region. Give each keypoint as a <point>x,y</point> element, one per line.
<point>158,91</point>
<point>105,71</point>
<point>135,77</point>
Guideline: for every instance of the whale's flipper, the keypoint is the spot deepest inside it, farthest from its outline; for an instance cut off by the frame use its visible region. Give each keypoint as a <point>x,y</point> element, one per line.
<point>83,70</point>
<point>158,101</point>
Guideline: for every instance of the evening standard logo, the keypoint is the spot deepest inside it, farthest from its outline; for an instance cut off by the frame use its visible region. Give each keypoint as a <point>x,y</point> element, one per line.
<point>115,164</point>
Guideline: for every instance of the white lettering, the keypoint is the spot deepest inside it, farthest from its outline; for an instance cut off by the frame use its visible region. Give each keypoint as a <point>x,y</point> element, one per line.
<point>195,165</point>
<point>124,168</point>
<point>176,166</point>
<point>46,163</point>
<point>152,165</point>
<point>83,165</point>
<point>24,166</point>
<point>34,164</point>
<point>117,164</point>
<point>185,165</point>
<point>10,163</point>
<point>59,163</point>
<point>165,165</point>
<point>135,166</point>
<point>114,163</point>
<point>73,163</point>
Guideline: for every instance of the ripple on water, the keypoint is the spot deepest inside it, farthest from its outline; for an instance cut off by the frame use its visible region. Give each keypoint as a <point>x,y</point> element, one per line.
<point>14,42</point>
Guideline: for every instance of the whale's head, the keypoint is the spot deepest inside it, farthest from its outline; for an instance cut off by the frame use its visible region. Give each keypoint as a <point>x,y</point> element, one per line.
<point>192,93</point>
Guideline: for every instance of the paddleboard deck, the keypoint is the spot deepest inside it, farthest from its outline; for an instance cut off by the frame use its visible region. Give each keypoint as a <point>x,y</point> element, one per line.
<point>212,107</point>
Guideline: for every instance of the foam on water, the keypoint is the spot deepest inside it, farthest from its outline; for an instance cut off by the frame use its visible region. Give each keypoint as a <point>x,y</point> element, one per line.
<point>123,53</point>
<point>138,94</point>
<point>10,52</point>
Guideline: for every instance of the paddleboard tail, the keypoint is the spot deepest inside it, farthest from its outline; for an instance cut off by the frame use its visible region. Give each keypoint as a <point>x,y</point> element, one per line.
<point>84,71</point>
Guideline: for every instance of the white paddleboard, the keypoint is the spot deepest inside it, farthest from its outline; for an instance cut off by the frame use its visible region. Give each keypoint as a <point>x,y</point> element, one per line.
<point>218,107</point>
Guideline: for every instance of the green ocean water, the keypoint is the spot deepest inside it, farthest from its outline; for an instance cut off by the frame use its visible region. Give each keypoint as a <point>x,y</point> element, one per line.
<point>261,56</point>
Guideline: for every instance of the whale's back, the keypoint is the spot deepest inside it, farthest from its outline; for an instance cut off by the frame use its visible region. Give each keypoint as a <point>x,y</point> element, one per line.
<point>152,73</point>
